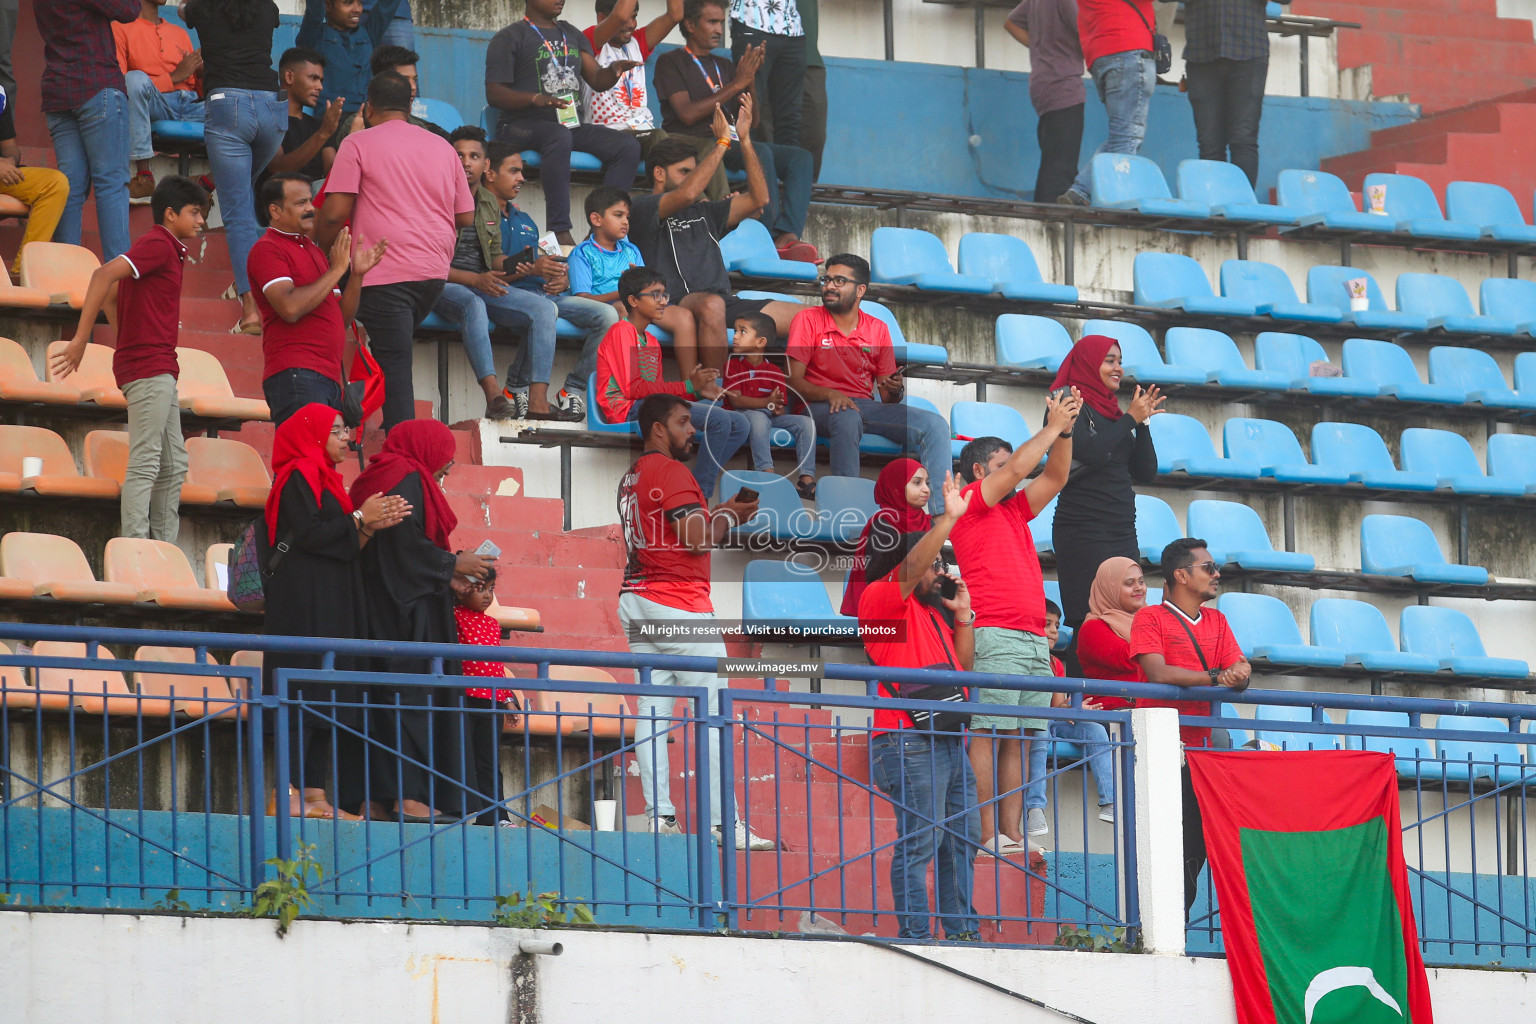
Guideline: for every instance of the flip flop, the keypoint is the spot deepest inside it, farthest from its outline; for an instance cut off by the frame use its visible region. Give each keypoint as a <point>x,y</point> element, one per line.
<point>241,327</point>
<point>1000,846</point>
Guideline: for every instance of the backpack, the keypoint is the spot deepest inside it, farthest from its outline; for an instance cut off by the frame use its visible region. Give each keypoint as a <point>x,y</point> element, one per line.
<point>252,561</point>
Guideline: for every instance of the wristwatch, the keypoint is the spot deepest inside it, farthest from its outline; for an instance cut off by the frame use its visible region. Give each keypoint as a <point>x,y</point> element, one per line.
<point>1215,674</point>
<point>357,514</point>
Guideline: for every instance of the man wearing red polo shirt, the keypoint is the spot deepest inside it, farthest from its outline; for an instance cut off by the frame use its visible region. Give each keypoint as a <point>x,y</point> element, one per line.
<point>304,312</point>
<point>838,356</point>
<point>1182,643</point>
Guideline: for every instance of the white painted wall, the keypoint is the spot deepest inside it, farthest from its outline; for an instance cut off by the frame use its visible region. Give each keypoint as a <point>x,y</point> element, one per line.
<point>62,968</point>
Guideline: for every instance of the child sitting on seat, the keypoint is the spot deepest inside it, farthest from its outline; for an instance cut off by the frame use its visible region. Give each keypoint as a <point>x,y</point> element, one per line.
<point>758,388</point>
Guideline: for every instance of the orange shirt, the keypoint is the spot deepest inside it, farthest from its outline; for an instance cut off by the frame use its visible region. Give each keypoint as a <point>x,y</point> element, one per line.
<point>155,50</point>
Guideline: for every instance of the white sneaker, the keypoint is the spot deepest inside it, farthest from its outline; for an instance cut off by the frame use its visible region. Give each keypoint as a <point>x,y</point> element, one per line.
<point>569,403</point>
<point>1036,822</point>
<point>666,825</point>
<point>746,840</point>
<point>1107,813</point>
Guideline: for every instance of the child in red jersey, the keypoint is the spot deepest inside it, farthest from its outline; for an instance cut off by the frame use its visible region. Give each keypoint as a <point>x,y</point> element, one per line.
<point>757,387</point>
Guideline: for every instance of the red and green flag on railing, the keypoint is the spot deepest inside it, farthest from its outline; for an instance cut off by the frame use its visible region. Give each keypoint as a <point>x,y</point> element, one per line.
<point>1306,854</point>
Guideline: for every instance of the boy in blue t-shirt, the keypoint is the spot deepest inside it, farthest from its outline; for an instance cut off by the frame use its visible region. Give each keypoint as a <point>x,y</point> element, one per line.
<point>606,252</point>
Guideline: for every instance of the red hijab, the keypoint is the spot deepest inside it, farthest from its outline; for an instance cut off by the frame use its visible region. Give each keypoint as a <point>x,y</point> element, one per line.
<point>414,446</point>
<point>891,496</point>
<point>299,447</point>
<point>1081,370</point>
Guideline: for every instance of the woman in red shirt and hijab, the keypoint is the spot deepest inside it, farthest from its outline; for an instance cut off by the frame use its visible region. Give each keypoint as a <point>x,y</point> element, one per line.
<point>408,578</point>
<point>902,491</point>
<point>1104,641</point>
<point>1111,453</point>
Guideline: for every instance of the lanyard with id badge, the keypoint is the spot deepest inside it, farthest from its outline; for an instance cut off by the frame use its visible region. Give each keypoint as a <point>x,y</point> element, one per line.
<point>559,78</point>
<point>714,86</point>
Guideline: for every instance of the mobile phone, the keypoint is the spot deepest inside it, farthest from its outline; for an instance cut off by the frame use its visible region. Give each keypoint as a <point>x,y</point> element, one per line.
<point>947,587</point>
<point>745,495</point>
<point>488,548</point>
<point>1060,393</point>
<point>528,255</point>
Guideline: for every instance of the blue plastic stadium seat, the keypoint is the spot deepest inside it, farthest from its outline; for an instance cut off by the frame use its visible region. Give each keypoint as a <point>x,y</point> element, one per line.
<point>1328,286</point>
<point>1217,354</point>
<point>845,504</point>
<point>1359,451</point>
<point>1513,457</point>
<point>1445,303</point>
<point>1043,529</point>
<point>1404,546</point>
<point>912,257</point>
<point>1411,204</point>
<point>1184,446</point>
<point>489,116</point>
<point>1286,738</point>
<point>595,421</point>
<point>1324,201</point>
<point>1156,527</point>
<point>1277,452</point>
<point>177,131</point>
<point>1139,355</point>
<point>1471,759</point>
<point>1239,737</point>
<point>1525,373</point>
<point>1267,632</point>
<point>1475,372</point>
<point>1031,342</point>
<point>1450,637</point>
<point>1009,263</point>
<point>1270,290</point>
<point>1237,537</point>
<point>1226,190</point>
<point>1063,639</point>
<point>990,419</point>
<point>1294,355</point>
<point>1450,459</point>
<point>1360,631</point>
<point>906,351</point>
<point>749,251</point>
<point>1125,182</point>
<point>440,112</point>
<point>781,514</point>
<point>1511,299</point>
<point>1412,753</point>
<point>1170,280</point>
<point>776,593</point>
<point>1495,212</point>
<point>1391,369</point>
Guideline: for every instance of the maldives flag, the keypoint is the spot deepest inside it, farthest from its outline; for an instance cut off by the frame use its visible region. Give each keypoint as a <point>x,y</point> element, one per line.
<point>1306,854</point>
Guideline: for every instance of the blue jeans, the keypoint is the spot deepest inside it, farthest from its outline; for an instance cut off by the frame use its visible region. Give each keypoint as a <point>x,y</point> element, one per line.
<point>790,171</point>
<point>1125,82</point>
<point>929,780</point>
<point>588,315</point>
<point>146,104</point>
<point>916,430</point>
<point>800,428</point>
<point>1091,735</point>
<point>244,132</point>
<point>474,311</point>
<point>91,145</point>
<point>288,391</point>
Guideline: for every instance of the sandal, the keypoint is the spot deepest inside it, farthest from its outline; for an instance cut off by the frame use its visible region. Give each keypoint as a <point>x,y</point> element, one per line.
<point>1000,846</point>
<point>806,490</point>
<point>241,327</point>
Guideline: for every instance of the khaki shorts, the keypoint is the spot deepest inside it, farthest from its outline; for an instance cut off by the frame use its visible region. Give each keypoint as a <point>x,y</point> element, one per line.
<point>1011,652</point>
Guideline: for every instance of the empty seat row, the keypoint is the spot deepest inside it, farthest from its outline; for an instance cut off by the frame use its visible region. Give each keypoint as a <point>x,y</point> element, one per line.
<point>219,470</point>
<point>43,565</point>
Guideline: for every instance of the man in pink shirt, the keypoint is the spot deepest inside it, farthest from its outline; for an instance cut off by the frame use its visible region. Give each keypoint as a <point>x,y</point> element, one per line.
<point>402,183</point>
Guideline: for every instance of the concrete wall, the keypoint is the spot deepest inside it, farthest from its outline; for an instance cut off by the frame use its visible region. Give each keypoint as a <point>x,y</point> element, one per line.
<point>173,969</point>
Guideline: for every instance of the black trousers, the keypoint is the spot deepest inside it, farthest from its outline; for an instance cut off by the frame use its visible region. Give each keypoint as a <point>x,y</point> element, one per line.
<point>1060,136</point>
<point>392,312</point>
<point>1194,842</point>
<point>1227,98</point>
<point>813,112</point>
<point>619,152</point>
<point>484,731</point>
<point>781,79</point>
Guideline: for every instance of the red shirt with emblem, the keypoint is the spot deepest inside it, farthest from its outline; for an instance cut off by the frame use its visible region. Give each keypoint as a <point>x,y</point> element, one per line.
<point>754,380</point>
<point>922,639</point>
<point>656,492</point>
<point>844,362</point>
<point>149,308</point>
<point>629,369</point>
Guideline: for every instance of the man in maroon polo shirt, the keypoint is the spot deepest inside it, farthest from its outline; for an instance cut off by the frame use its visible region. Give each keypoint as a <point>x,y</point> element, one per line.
<point>304,310</point>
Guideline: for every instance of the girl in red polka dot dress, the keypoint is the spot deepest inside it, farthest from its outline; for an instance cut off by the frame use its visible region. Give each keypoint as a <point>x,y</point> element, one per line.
<point>476,627</point>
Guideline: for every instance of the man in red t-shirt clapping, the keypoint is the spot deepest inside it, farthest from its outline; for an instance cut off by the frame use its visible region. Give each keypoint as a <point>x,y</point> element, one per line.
<point>664,602</point>
<point>1182,643</point>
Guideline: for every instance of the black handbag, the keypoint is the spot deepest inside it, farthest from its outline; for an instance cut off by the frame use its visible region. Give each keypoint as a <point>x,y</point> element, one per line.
<point>1162,49</point>
<point>937,721</point>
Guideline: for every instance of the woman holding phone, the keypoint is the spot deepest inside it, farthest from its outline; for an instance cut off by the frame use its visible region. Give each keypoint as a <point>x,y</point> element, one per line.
<point>1111,452</point>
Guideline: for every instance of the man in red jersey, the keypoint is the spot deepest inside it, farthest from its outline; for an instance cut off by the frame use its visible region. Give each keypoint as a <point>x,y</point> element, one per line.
<point>664,603</point>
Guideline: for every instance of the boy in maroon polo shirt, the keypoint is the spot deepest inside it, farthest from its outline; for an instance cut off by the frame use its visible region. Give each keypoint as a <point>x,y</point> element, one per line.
<point>147,280</point>
<point>758,388</point>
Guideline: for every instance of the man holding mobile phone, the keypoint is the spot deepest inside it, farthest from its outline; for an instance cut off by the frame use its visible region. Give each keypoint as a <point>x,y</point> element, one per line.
<point>664,603</point>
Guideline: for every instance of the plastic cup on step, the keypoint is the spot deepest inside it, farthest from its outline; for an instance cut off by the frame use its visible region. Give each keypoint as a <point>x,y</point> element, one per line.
<point>604,813</point>
<point>31,466</point>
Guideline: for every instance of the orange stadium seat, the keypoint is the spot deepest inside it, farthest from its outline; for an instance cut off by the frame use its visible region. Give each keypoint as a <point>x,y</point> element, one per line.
<point>231,469</point>
<point>94,690</point>
<point>215,556</point>
<point>59,478</point>
<point>574,718</point>
<point>15,690</point>
<point>525,619</point>
<point>106,456</point>
<point>203,389</point>
<point>60,271</point>
<point>159,573</point>
<point>194,695</point>
<point>93,376</point>
<point>242,659</point>
<point>56,567</point>
<point>18,381</point>
<point>14,590</point>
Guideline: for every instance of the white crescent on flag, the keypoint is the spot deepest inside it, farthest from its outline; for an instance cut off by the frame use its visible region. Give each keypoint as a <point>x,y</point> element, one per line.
<point>1336,978</point>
